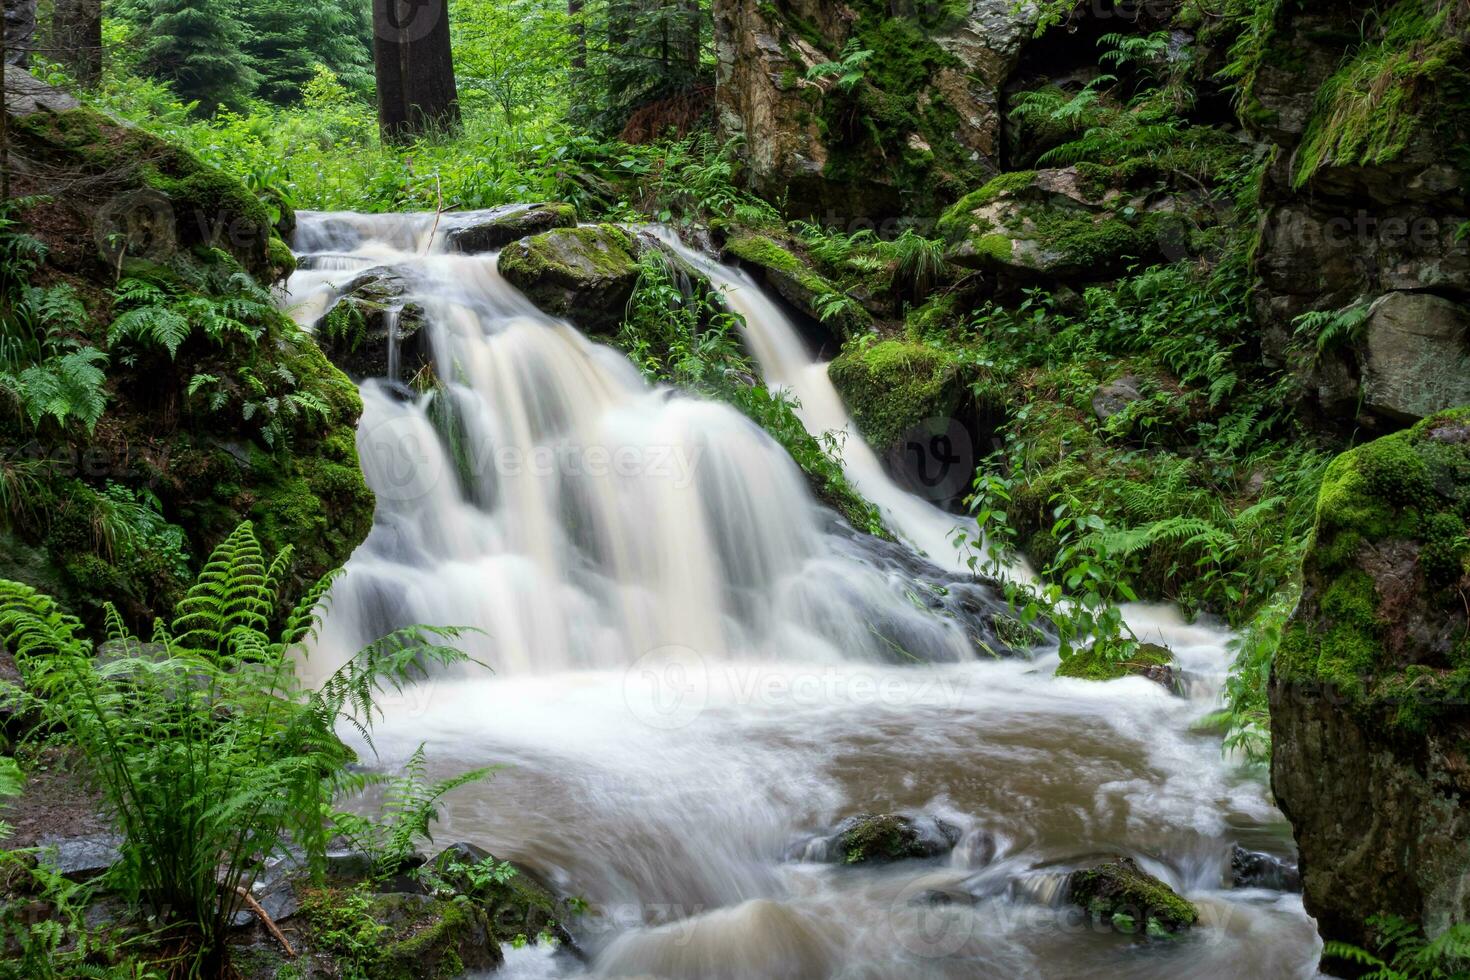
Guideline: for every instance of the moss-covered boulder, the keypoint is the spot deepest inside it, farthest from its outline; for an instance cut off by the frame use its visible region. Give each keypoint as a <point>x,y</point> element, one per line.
<point>1369,719</point>
<point>472,232</point>
<point>585,274</point>
<point>1131,900</point>
<point>877,838</point>
<point>781,268</point>
<point>230,424</point>
<point>1050,224</point>
<point>1150,661</point>
<point>393,936</point>
<point>893,386</point>
<point>517,903</point>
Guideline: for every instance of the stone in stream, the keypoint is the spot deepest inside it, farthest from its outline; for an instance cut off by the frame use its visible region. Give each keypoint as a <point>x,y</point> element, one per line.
<point>866,838</point>
<point>1130,899</point>
<point>519,904</point>
<point>585,275</point>
<point>486,231</point>
<point>1150,660</point>
<point>1253,869</point>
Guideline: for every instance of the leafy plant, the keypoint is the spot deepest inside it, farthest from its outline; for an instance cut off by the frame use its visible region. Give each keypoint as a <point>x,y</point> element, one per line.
<point>68,389</point>
<point>1403,953</point>
<point>848,70</point>
<point>207,748</point>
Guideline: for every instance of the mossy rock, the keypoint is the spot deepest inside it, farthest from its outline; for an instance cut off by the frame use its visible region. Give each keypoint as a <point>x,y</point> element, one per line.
<point>1131,900</point>
<point>586,275</point>
<point>395,936</point>
<point>893,386</point>
<point>520,908</point>
<point>1381,618</point>
<point>868,838</point>
<point>1150,660</point>
<point>486,231</point>
<point>814,295</point>
<point>282,260</point>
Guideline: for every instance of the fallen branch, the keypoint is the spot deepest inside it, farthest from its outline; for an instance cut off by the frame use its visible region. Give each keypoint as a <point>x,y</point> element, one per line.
<point>265,919</point>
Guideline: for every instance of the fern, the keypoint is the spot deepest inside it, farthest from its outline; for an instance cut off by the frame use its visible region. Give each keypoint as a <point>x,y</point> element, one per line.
<point>1329,330</point>
<point>69,389</point>
<point>208,750</point>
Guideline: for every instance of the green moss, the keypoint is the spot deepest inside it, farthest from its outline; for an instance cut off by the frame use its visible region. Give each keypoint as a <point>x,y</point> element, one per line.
<point>875,838</point>
<point>281,258</point>
<point>1128,898</point>
<point>955,223</point>
<point>1093,664</point>
<point>1401,499</point>
<point>894,385</point>
<point>804,285</point>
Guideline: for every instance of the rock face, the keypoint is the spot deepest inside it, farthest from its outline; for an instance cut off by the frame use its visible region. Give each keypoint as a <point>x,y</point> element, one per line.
<point>1363,198</point>
<point>1130,899</point>
<point>584,274</point>
<point>1415,357</point>
<point>1369,717</point>
<point>924,112</point>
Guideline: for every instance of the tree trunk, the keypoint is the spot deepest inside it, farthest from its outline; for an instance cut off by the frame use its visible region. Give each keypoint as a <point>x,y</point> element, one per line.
<point>76,39</point>
<point>579,35</point>
<point>691,35</point>
<point>415,68</point>
<point>20,31</point>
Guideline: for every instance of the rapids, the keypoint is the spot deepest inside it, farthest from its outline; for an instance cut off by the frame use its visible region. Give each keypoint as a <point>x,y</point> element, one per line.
<point>696,667</point>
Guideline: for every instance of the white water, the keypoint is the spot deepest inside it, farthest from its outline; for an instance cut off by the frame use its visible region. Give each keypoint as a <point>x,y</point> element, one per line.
<point>696,668</point>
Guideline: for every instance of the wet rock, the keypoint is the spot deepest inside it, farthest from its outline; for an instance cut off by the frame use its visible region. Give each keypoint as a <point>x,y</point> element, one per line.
<point>1416,359</point>
<point>1150,660</point>
<point>81,858</point>
<point>779,267</point>
<point>586,275</point>
<point>488,231</point>
<point>430,938</point>
<point>866,838</point>
<point>374,328</point>
<point>1252,869</point>
<point>1130,899</point>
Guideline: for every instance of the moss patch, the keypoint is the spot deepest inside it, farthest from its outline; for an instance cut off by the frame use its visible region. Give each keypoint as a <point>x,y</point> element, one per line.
<point>1132,901</point>
<point>894,385</point>
<point>1093,664</point>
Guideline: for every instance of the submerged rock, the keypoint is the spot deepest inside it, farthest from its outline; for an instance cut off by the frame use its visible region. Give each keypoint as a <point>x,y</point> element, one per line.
<point>586,275</point>
<point>486,231</point>
<point>866,838</point>
<point>1369,718</point>
<point>1130,899</point>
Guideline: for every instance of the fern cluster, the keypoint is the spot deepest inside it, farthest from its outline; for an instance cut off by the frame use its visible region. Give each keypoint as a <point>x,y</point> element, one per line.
<point>210,753</point>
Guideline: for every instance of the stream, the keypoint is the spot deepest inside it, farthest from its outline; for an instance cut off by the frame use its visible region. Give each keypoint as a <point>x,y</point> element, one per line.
<point>697,669</point>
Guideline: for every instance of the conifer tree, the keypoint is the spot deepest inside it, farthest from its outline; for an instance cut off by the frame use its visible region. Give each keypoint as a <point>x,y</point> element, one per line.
<point>198,46</point>
<point>288,38</point>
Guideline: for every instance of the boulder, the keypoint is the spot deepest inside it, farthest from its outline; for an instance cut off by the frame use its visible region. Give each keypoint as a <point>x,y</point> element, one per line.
<point>1416,356</point>
<point>81,858</point>
<point>472,232</point>
<point>1368,692</point>
<point>516,903</point>
<point>585,274</point>
<point>374,329</point>
<point>894,386</point>
<point>1048,224</point>
<point>867,838</point>
<point>1130,899</point>
<point>432,938</point>
<point>1115,396</point>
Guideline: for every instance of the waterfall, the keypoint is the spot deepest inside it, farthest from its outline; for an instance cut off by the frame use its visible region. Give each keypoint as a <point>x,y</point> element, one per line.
<point>697,669</point>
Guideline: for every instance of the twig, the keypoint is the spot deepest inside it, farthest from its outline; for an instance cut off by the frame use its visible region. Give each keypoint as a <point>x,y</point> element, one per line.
<point>265,919</point>
<point>438,212</point>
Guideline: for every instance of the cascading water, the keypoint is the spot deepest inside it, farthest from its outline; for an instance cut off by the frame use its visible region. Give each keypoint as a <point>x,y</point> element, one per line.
<point>697,668</point>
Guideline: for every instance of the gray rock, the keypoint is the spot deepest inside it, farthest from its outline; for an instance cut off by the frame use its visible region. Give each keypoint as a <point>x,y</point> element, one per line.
<point>375,329</point>
<point>865,838</point>
<point>25,94</point>
<point>1416,359</point>
<point>81,858</point>
<point>487,231</point>
<point>586,275</point>
<point>1115,396</point>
